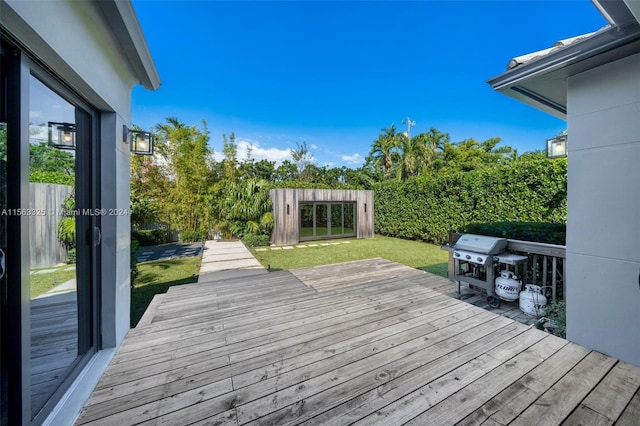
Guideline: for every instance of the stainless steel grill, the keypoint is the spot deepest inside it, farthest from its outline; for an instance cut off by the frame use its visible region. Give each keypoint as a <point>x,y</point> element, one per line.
<point>475,262</point>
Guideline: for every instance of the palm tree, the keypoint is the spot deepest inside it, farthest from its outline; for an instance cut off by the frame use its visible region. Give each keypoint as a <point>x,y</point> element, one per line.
<point>248,207</point>
<point>385,151</point>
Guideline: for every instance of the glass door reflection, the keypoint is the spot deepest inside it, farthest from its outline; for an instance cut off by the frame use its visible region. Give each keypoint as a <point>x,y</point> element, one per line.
<point>52,230</point>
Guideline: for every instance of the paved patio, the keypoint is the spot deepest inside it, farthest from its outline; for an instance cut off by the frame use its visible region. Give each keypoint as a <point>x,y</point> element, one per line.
<point>270,349</point>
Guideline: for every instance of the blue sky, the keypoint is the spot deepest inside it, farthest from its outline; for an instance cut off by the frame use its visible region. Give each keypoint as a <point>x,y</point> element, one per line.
<point>334,73</point>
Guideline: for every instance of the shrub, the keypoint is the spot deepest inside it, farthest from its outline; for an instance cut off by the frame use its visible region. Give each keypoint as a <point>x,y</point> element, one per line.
<point>152,237</point>
<point>551,233</point>
<point>251,240</point>
<point>193,236</point>
<point>427,207</point>
<point>555,319</point>
<point>59,178</point>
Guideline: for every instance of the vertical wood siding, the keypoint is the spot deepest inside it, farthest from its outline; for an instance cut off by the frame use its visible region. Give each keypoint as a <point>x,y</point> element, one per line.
<point>286,229</point>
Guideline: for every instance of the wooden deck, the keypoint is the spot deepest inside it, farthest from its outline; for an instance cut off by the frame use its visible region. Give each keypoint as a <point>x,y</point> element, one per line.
<point>268,349</point>
<point>54,343</point>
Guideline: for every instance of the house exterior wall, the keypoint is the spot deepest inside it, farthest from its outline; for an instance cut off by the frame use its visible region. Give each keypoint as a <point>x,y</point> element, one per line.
<point>286,228</point>
<point>75,41</point>
<point>603,219</point>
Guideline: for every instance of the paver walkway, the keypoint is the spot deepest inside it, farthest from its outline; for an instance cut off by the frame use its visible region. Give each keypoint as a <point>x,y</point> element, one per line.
<point>227,256</point>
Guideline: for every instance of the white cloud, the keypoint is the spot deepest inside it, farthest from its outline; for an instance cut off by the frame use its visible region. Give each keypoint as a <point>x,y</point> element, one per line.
<point>352,159</point>
<point>258,153</point>
<point>314,146</point>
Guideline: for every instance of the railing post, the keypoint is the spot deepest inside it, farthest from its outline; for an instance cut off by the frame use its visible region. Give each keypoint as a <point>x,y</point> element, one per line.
<point>553,279</point>
<point>452,240</point>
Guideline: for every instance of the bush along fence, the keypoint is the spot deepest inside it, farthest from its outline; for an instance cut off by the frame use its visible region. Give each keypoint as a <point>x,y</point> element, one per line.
<point>428,207</point>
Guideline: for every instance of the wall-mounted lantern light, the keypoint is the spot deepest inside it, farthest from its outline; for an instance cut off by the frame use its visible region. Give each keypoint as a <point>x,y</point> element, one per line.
<point>62,135</point>
<point>287,208</point>
<point>142,143</point>
<point>557,146</point>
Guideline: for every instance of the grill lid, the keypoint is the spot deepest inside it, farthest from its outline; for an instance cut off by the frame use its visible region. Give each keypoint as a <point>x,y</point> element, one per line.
<point>481,244</point>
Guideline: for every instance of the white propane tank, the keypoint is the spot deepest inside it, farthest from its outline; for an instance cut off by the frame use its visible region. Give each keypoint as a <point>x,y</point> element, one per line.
<point>507,286</point>
<point>532,301</point>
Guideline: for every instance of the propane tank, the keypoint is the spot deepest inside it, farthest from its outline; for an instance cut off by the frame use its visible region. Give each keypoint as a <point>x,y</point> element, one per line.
<point>532,301</point>
<point>507,286</point>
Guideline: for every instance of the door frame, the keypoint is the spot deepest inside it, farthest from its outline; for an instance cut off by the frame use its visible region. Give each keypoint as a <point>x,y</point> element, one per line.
<point>15,313</point>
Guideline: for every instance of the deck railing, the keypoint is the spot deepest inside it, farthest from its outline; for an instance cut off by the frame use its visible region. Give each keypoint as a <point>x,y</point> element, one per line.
<point>546,265</point>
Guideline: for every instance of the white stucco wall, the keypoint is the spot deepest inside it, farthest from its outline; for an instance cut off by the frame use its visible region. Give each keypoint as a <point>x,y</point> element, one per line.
<point>603,222</point>
<point>74,41</point>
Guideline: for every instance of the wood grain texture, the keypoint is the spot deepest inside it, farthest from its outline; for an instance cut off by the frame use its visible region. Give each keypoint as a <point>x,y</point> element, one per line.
<point>271,350</point>
<point>286,228</point>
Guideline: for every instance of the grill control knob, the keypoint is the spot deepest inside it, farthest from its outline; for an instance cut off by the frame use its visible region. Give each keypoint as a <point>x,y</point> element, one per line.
<point>468,257</point>
<point>479,259</point>
<point>456,254</point>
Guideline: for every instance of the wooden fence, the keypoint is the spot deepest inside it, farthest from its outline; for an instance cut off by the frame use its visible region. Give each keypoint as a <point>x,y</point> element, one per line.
<point>546,265</point>
<point>45,208</point>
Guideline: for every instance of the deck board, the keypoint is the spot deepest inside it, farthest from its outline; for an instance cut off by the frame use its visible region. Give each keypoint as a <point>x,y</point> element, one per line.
<point>387,347</point>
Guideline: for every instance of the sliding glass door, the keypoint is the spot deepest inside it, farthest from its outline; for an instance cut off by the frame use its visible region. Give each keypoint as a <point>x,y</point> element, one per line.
<point>49,237</point>
<point>327,220</point>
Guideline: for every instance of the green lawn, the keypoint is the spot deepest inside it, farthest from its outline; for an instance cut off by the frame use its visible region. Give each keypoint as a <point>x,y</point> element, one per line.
<point>41,283</point>
<point>427,257</point>
<point>156,277</point>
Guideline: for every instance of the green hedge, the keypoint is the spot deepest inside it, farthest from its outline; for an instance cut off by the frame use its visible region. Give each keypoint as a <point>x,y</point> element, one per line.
<point>427,207</point>
<point>255,240</point>
<point>59,178</point>
<point>551,233</point>
<point>151,237</point>
<point>193,236</point>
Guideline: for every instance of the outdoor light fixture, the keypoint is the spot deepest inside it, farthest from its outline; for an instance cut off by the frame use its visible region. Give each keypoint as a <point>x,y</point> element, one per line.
<point>142,143</point>
<point>62,135</point>
<point>557,146</point>
<point>287,208</point>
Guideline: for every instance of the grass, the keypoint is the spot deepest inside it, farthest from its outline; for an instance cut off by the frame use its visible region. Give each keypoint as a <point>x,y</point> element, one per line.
<point>156,277</point>
<point>427,257</point>
<point>41,283</point>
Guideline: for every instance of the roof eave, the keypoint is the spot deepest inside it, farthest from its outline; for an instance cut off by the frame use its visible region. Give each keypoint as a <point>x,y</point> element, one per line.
<point>513,82</point>
<point>122,19</point>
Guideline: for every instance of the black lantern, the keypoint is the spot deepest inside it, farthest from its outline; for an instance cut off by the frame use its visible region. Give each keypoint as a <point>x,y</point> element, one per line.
<point>142,143</point>
<point>557,146</point>
<point>62,135</point>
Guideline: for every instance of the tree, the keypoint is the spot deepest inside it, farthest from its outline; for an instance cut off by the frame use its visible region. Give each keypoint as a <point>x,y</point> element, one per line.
<point>47,158</point>
<point>286,171</point>
<point>473,155</point>
<point>149,188</point>
<point>248,207</point>
<point>230,162</point>
<point>384,153</point>
<point>191,181</point>
<point>302,158</point>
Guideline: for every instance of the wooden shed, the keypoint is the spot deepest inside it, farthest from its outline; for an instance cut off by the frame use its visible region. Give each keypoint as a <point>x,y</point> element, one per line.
<point>316,214</point>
